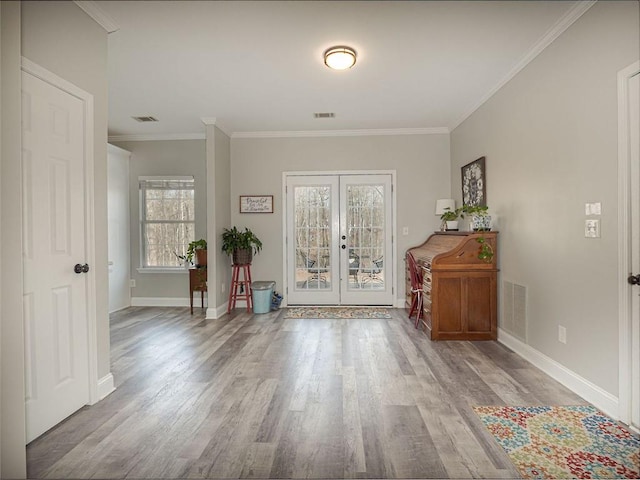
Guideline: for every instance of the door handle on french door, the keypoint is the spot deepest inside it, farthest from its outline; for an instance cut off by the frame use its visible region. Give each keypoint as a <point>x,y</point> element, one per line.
<point>81,268</point>
<point>634,279</point>
<point>343,246</point>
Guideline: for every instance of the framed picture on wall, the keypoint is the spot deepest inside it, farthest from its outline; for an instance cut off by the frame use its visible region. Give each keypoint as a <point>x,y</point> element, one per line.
<point>256,203</point>
<point>474,183</point>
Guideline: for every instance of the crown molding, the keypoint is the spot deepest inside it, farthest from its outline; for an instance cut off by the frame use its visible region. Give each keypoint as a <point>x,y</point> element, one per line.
<point>574,13</point>
<point>156,136</point>
<point>343,133</point>
<point>99,15</point>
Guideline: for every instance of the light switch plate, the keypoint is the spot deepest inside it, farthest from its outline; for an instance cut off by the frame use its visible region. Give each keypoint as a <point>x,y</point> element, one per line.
<point>593,208</point>
<point>592,228</point>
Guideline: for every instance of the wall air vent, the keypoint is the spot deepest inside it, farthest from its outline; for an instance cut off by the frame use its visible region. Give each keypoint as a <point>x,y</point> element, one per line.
<point>145,119</point>
<point>324,115</point>
<point>514,309</point>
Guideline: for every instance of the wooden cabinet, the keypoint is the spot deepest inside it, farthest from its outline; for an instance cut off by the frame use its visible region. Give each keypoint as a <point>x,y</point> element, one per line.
<point>460,290</point>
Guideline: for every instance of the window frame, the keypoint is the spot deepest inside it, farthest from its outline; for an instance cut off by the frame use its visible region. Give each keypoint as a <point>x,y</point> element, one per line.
<point>143,221</point>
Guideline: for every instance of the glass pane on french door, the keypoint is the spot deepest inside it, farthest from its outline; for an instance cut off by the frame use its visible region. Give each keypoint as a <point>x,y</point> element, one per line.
<point>312,246</point>
<point>365,218</point>
<point>339,240</point>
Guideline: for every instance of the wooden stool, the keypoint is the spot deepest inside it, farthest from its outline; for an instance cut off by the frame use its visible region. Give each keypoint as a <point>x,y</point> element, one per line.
<point>240,288</point>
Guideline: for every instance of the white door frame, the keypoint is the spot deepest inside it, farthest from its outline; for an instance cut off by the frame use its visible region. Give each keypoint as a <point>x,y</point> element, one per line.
<point>624,246</point>
<point>394,225</point>
<point>87,100</point>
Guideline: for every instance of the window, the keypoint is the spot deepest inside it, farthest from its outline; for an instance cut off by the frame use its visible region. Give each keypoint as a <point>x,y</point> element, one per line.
<point>167,219</point>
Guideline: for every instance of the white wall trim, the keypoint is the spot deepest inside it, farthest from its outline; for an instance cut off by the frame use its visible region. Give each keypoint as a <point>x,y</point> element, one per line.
<point>579,9</point>
<point>284,134</point>
<point>87,100</point>
<point>167,301</point>
<point>624,235</point>
<point>106,386</point>
<point>156,137</point>
<point>602,399</point>
<point>100,16</point>
<point>344,133</point>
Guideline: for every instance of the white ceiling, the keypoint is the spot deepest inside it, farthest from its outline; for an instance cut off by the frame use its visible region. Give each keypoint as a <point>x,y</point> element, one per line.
<point>257,67</point>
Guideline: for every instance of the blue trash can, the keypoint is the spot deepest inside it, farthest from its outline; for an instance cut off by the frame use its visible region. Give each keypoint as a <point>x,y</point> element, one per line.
<point>261,294</point>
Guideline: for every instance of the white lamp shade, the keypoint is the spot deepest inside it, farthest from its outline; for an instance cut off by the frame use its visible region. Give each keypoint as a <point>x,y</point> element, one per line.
<point>445,205</point>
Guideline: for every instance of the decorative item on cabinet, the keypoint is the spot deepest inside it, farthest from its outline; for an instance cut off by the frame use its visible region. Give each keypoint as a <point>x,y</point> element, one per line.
<point>459,285</point>
<point>480,218</point>
<point>442,206</point>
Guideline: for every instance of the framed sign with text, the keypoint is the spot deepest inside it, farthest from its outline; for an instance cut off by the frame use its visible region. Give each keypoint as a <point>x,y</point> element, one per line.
<point>256,203</point>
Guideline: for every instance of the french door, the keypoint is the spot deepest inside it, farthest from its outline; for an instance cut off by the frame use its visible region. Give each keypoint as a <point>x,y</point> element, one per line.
<point>339,239</point>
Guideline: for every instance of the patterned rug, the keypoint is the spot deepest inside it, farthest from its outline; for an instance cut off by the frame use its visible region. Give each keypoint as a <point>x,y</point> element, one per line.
<point>337,312</point>
<point>563,442</point>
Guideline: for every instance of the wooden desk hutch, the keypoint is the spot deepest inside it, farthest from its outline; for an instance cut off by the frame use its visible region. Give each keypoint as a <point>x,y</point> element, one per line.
<point>460,290</point>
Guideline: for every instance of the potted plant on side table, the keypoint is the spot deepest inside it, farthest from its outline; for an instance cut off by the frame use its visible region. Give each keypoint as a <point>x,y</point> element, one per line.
<point>241,245</point>
<point>197,249</point>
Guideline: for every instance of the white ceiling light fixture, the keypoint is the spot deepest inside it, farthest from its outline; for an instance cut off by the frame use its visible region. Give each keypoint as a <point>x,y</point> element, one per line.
<point>340,58</point>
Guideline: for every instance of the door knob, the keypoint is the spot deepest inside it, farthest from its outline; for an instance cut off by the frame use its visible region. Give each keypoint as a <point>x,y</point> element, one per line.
<point>344,237</point>
<point>634,279</point>
<point>81,268</point>
<point>344,246</point>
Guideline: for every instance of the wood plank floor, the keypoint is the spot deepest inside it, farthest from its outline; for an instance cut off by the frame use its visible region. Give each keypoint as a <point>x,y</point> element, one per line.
<point>266,397</point>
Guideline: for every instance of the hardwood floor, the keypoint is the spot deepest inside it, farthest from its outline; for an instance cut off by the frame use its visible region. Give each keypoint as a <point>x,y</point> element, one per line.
<point>267,397</point>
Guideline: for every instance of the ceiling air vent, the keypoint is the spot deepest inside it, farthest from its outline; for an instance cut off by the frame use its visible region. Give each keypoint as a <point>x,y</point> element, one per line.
<point>324,115</point>
<point>145,119</point>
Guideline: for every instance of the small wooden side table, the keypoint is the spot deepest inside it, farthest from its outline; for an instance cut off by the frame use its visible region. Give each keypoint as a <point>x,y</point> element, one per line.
<point>197,283</point>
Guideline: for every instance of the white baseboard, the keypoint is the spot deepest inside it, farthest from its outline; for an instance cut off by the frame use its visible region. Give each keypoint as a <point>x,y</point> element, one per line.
<point>215,313</point>
<point>602,399</point>
<point>106,386</point>
<point>118,309</point>
<point>165,301</point>
<point>399,303</point>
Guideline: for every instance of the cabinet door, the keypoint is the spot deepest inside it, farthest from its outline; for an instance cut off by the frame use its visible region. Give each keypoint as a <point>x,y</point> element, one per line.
<point>478,289</point>
<point>448,304</point>
<point>464,306</point>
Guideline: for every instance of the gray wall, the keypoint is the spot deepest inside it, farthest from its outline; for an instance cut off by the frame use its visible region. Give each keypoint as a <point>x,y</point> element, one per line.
<point>46,33</point>
<point>60,37</point>
<point>550,139</point>
<point>164,157</point>
<point>423,175</point>
<point>12,406</point>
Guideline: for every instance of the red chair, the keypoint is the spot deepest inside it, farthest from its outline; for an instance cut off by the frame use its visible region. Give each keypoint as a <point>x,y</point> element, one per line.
<point>415,274</point>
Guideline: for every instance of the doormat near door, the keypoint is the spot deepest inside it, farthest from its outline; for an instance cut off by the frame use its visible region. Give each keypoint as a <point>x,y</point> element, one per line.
<point>337,312</point>
<point>563,442</point>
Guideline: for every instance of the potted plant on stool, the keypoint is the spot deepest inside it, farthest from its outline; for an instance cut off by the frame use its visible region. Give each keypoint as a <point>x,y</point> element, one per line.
<point>241,245</point>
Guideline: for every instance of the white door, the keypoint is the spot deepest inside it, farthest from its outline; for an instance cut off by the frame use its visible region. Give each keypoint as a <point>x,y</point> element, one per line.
<point>339,240</point>
<point>634,151</point>
<point>118,217</point>
<point>55,297</point>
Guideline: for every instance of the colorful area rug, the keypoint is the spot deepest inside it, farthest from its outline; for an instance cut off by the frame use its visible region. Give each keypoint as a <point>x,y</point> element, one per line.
<point>337,312</point>
<point>563,442</point>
